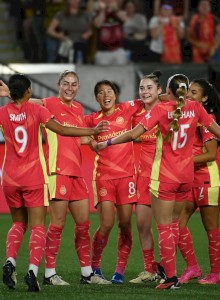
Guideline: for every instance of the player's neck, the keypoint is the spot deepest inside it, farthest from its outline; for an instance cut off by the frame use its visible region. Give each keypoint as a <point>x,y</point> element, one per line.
<point>108,112</point>
<point>19,102</point>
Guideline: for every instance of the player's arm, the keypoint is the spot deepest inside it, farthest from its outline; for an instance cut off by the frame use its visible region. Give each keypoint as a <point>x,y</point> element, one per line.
<point>36,101</point>
<point>85,140</point>
<point>58,128</point>
<point>128,136</point>
<point>210,154</point>
<point>215,129</point>
<point>4,90</point>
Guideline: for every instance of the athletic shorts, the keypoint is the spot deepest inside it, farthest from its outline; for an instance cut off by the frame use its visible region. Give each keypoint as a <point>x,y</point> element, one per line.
<point>120,191</point>
<point>34,196</point>
<point>205,195</point>
<point>67,188</point>
<point>143,190</point>
<point>171,191</point>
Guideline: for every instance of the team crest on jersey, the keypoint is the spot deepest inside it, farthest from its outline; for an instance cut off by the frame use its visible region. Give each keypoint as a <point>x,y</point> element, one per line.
<point>120,120</point>
<point>63,190</point>
<point>102,192</point>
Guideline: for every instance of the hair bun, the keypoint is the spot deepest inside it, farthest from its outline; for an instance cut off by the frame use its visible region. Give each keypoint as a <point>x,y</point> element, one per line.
<point>157,73</point>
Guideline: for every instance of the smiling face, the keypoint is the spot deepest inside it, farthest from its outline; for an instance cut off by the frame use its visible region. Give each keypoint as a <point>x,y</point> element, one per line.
<point>68,88</point>
<point>106,97</point>
<point>148,92</point>
<point>196,93</point>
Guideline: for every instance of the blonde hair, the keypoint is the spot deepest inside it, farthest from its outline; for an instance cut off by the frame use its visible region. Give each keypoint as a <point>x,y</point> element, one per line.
<point>179,85</point>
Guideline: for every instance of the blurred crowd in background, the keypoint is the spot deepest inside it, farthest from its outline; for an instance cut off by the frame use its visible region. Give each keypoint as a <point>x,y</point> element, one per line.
<point>107,32</point>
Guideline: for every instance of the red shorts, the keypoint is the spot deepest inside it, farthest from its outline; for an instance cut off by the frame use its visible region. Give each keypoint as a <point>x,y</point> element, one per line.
<point>171,191</point>
<point>120,191</point>
<point>205,195</point>
<point>67,188</point>
<point>143,190</point>
<point>34,196</point>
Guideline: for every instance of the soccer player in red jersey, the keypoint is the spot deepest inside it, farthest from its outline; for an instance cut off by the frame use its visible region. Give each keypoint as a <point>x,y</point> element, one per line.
<point>67,186</point>
<point>113,177</point>
<point>206,193</point>
<point>149,89</point>
<point>24,177</point>
<point>172,171</point>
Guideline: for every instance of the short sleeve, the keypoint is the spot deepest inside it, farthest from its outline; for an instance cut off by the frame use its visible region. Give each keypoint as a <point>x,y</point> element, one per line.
<point>151,119</point>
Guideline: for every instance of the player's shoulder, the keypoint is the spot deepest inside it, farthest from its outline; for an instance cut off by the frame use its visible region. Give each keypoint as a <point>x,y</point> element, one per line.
<point>51,99</point>
<point>129,106</point>
<point>77,104</point>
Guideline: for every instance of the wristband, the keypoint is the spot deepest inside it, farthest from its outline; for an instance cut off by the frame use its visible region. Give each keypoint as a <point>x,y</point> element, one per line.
<point>109,142</point>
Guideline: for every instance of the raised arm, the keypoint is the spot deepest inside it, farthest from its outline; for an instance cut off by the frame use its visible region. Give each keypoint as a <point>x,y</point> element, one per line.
<point>4,90</point>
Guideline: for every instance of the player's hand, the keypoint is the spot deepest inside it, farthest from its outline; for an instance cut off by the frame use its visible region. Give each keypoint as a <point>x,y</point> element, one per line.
<point>103,126</point>
<point>93,145</point>
<point>101,146</point>
<point>4,90</point>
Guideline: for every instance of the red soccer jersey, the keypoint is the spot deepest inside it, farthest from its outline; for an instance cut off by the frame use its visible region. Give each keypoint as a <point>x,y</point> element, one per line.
<point>64,154</point>
<point>148,146</point>
<point>24,162</point>
<point>173,162</point>
<point>207,173</point>
<point>116,161</point>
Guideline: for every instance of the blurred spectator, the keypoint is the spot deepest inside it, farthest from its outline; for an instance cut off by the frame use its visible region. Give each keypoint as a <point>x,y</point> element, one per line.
<point>166,31</point>
<point>108,21</point>
<point>16,15</point>
<point>38,31</point>
<point>72,28</point>
<point>203,33</point>
<point>146,7</point>
<point>52,44</point>
<point>180,7</point>
<point>27,34</point>
<point>135,31</point>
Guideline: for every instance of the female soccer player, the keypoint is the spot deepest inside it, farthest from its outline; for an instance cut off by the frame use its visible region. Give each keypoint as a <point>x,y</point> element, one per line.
<point>24,178</point>
<point>172,171</point>
<point>149,89</point>
<point>67,186</point>
<point>113,178</point>
<point>205,190</point>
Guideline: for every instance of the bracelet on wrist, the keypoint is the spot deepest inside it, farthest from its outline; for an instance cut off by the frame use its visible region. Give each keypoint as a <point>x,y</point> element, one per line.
<point>109,142</point>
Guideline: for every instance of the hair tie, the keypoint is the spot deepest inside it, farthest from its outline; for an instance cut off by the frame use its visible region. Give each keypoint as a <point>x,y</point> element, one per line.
<point>178,108</point>
<point>182,97</point>
<point>182,84</point>
<point>175,119</point>
<point>171,129</point>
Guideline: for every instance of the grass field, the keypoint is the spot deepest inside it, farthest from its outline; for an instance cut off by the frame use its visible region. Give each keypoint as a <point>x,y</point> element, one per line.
<point>68,268</point>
